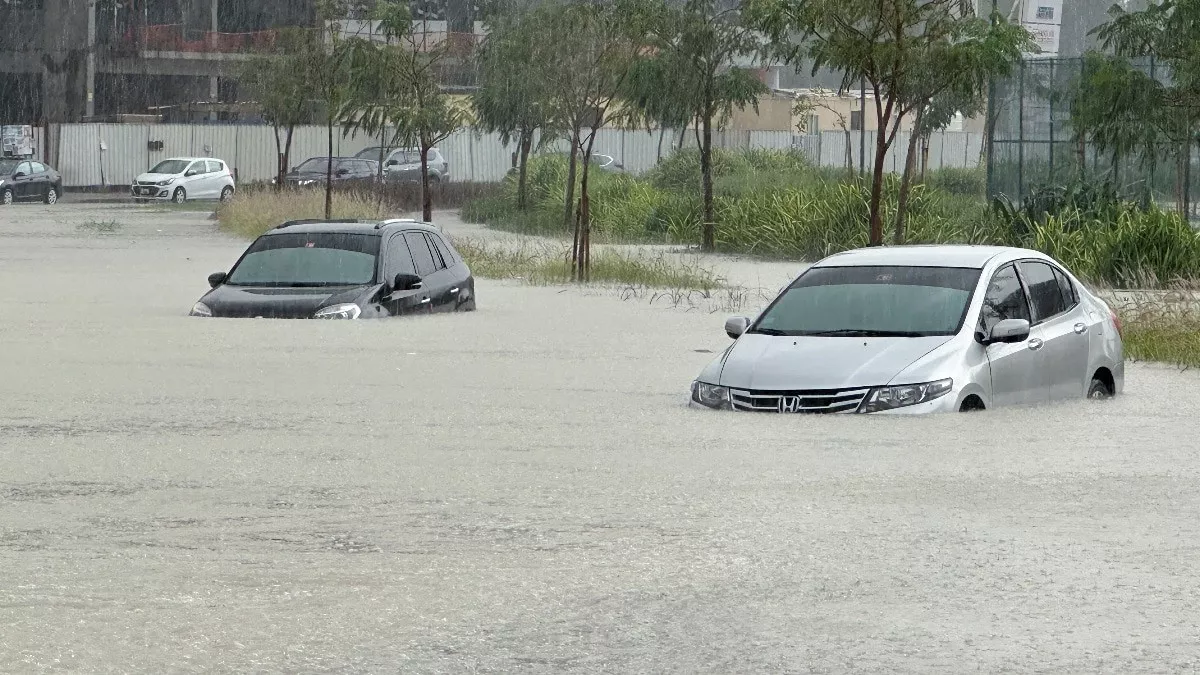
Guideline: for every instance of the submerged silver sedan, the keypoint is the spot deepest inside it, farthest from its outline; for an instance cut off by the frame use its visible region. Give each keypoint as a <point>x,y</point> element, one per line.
<point>920,329</point>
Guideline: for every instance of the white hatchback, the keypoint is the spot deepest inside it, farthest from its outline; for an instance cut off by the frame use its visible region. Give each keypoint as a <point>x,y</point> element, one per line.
<point>182,178</point>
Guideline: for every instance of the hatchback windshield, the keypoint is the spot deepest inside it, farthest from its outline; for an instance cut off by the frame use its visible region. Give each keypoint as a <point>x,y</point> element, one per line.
<point>170,166</point>
<point>308,259</point>
<point>872,302</point>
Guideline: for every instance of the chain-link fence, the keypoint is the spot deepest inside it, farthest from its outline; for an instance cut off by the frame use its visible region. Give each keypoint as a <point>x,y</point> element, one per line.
<point>1032,143</point>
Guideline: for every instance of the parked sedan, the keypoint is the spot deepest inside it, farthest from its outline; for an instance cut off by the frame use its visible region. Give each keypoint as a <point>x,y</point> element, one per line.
<point>181,179</point>
<point>346,171</point>
<point>920,329</point>
<point>343,269</point>
<point>24,180</point>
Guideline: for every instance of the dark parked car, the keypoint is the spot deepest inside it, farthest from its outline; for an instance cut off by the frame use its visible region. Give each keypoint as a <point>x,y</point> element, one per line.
<point>403,165</point>
<point>343,269</point>
<point>345,170</point>
<point>23,180</point>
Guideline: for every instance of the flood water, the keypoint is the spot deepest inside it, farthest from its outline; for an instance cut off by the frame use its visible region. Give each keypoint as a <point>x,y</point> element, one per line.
<point>521,488</point>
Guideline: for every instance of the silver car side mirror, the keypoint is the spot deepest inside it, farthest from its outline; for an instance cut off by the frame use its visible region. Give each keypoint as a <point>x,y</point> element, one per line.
<point>736,325</point>
<point>1009,331</point>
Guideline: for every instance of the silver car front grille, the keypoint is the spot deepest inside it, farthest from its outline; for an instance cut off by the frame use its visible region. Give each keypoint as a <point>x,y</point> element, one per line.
<point>811,401</point>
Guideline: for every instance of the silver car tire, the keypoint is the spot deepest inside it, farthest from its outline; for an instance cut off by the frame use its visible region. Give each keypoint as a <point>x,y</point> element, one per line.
<point>226,194</point>
<point>180,196</point>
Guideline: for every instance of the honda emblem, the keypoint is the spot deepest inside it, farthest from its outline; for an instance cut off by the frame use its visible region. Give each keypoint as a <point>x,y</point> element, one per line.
<point>789,404</point>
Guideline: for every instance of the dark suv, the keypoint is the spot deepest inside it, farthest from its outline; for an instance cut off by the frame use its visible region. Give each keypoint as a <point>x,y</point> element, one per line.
<point>346,171</point>
<point>343,269</point>
<point>403,165</point>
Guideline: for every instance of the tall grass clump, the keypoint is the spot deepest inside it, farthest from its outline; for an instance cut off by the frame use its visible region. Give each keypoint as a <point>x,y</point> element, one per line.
<point>251,213</point>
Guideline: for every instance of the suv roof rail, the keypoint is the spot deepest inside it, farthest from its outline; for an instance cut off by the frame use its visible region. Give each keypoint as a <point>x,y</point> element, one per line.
<point>392,221</point>
<point>312,221</point>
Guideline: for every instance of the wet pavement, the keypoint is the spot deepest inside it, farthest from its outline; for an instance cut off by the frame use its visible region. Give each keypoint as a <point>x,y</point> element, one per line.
<point>522,489</point>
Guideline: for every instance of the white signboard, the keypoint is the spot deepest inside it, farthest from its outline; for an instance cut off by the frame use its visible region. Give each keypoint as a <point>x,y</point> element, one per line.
<point>1045,36</point>
<point>1042,11</point>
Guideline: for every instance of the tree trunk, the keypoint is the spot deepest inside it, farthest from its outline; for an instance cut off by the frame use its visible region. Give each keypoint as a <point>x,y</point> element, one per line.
<point>849,153</point>
<point>523,170</point>
<point>925,155</point>
<point>881,149</point>
<point>708,243</point>
<point>278,161</point>
<point>571,168</point>
<point>329,174</point>
<point>382,157</point>
<point>662,134</point>
<point>584,258</point>
<point>426,195</point>
<point>287,153</point>
<point>910,165</point>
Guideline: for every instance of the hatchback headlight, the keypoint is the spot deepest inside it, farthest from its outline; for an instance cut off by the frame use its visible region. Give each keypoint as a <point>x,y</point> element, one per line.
<point>347,311</point>
<point>164,183</point>
<point>901,396</point>
<point>200,309</point>
<point>710,395</point>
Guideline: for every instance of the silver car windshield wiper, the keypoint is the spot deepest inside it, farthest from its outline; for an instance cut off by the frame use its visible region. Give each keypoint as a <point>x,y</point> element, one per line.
<point>858,332</point>
<point>769,331</point>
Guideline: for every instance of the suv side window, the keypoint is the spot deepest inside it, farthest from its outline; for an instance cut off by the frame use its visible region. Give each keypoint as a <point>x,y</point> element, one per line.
<point>1044,290</point>
<point>398,260</point>
<point>1005,299</point>
<point>421,254</point>
<point>443,249</point>
<point>439,260</point>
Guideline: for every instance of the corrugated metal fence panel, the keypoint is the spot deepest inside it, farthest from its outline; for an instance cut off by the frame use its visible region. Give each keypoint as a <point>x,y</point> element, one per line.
<point>251,149</point>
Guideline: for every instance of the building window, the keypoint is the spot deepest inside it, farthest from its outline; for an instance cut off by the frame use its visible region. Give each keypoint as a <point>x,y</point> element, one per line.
<point>856,120</point>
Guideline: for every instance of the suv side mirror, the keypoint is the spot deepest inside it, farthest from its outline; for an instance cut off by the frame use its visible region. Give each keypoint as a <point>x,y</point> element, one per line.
<point>407,282</point>
<point>393,162</point>
<point>217,278</point>
<point>736,325</point>
<point>1009,331</point>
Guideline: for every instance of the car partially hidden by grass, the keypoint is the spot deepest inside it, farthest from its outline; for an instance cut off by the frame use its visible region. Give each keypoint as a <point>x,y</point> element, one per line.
<point>920,329</point>
<point>343,269</point>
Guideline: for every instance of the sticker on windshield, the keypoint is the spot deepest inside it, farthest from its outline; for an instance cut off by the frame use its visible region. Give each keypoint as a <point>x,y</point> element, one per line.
<point>310,245</point>
<point>883,277</point>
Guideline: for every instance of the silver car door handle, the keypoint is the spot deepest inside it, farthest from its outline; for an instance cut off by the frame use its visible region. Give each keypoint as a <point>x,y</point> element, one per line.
<point>453,291</point>
<point>1080,328</point>
<point>1035,344</point>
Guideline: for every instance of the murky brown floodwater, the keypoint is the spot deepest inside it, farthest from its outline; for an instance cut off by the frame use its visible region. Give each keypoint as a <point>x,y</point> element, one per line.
<point>521,489</point>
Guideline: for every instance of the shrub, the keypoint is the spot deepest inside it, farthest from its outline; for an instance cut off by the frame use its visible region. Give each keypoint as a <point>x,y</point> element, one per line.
<point>251,213</point>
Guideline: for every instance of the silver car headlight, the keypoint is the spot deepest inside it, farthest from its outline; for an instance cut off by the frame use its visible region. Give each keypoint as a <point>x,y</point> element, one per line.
<point>900,396</point>
<point>200,309</point>
<point>346,311</point>
<point>164,183</point>
<point>710,395</point>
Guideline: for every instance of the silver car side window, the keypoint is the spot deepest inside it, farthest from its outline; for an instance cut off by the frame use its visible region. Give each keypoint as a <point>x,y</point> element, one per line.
<point>1004,299</point>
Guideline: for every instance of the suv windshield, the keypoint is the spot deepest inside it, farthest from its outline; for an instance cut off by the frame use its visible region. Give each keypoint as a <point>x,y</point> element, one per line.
<point>308,259</point>
<point>170,166</point>
<point>872,302</point>
<point>316,164</point>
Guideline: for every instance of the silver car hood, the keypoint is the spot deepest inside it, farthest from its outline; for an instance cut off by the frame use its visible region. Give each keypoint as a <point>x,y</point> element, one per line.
<point>769,362</point>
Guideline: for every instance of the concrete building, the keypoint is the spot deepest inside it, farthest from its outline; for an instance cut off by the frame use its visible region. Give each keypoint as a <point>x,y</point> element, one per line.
<point>74,60</point>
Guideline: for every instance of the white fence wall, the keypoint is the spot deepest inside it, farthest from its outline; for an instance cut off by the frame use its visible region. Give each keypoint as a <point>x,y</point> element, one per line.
<point>90,155</point>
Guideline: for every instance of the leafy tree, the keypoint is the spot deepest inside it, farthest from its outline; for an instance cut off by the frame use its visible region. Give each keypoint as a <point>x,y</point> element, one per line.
<point>327,69</point>
<point>807,105</point>
<point>906,51</point>
<point>689,76</point>
<point>512,96</point>
<point>282,91</point>
<point>949,73</point>
<point>397,86</point>
<point>1165,32</point>
<point>585,76</point>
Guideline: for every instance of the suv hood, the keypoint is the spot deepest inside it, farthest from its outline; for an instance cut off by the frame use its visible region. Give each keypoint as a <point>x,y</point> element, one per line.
<point>278,303</point>
<point>770,362</point>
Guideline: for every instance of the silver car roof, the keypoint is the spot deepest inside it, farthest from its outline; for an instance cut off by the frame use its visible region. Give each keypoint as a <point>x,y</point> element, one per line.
<point>975,257</point>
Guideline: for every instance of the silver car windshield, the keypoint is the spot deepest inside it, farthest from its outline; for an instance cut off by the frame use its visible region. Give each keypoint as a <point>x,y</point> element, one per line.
<point>872,302</point>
